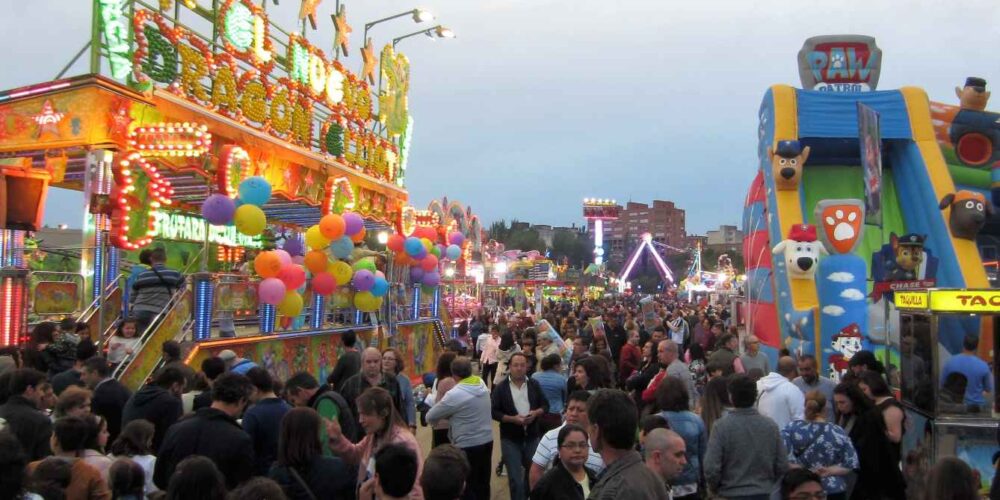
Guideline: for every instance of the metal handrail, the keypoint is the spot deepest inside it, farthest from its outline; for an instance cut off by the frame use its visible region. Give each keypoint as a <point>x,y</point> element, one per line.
<point>94,304</point>
<point>175,300</point>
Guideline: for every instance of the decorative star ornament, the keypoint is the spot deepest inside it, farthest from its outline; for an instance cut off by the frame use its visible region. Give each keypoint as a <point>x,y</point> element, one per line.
<point>368,58</point>
<point>119,119</point>
<point>308,9</point>
<point>48,119</point>
<point>343,30</point>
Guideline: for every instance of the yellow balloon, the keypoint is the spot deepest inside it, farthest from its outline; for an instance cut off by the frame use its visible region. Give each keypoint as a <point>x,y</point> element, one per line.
<point>366,302</point>
<point>315,239</point>
<point>341,271</point>
<point>291,305</point>
<point>428,244</point>
<point>250,220</point>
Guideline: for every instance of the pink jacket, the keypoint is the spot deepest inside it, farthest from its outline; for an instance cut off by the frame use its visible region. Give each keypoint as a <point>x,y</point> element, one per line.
<point>359,454</point>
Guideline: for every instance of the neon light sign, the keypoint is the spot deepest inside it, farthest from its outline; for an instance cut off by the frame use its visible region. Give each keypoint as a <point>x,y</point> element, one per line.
<point>180,227</point>
<point>115,28</point>
<point>131,173</point>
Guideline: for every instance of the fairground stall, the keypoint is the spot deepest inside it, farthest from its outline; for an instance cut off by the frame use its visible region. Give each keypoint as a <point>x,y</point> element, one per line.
<point>269,173</point>
<point>950,399</point>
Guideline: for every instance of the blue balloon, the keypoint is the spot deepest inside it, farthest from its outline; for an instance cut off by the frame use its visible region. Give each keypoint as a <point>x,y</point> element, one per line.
<point>255,191</point>
<point>380,287</point>
<point>342,248</point>
<point>293,245</point>
<point>453,252</point>
<point>413,246</point>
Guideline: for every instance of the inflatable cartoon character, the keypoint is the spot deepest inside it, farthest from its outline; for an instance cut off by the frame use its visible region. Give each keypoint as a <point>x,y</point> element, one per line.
<point>801,251</point>
<point>969,211</point>
<point>847,343</point>
<point>786,164</point>
<point>973,95</point>
<point>909,252</point>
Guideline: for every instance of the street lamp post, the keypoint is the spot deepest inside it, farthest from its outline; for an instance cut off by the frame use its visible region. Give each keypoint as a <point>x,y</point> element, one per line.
<point>435,32</point>
<point>419,16</point>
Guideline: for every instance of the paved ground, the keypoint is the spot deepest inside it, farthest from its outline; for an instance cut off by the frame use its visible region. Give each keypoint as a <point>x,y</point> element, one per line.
<point>498,485</point>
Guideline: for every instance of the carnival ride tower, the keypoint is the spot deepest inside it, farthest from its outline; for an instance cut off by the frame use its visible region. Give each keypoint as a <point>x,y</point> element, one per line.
<point>599,210</point>
<point>646,243</point>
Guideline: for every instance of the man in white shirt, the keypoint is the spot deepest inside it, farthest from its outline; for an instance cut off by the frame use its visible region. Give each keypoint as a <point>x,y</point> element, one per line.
<point>778,397</point>
<point>547,450</point>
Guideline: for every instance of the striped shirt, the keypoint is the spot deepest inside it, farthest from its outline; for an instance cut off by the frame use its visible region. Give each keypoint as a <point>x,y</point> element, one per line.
<point>548,448</point>
<point>150,292</point>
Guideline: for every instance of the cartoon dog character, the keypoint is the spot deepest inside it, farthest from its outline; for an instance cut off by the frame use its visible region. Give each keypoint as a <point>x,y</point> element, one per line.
<point>974,95</point>
<point>786,164</point>
<point>847,343</point>
<point>801,251</point>
<point>969,211</point>
<point>909,252</point>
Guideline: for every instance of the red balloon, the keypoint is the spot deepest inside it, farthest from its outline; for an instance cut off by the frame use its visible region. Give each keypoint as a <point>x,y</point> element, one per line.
<point>293,276</point>
<point>425,232</point>
<point>323,283</point>
<point>396,243</point>
<point>429,263</point>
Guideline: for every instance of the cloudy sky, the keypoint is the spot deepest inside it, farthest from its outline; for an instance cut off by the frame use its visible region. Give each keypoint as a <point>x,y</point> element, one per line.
<point>540,103</point>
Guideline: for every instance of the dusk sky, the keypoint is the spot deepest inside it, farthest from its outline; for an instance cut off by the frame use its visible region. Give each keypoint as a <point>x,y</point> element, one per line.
<point>540,103</point>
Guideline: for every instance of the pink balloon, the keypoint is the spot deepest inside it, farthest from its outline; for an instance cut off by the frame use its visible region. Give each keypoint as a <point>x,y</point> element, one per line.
<point>299,260</point>
<point>292,276</point>
<point>429,263</point>
<point>283,256</point>
<point>379,274</point>
<point>271,291</point>
<point>323,283</point>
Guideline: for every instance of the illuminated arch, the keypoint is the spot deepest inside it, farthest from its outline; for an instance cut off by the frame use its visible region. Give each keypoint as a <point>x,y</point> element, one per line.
<point>234,166</point>
<point>335,186</point>
<point>127,172</point>
<point>456,213</point>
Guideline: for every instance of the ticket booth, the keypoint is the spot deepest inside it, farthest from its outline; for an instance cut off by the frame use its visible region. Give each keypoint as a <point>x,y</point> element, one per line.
<point>949,396</point>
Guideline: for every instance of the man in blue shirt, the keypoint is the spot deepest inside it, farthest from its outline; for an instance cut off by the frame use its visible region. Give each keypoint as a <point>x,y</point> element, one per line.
<point>976,372</point>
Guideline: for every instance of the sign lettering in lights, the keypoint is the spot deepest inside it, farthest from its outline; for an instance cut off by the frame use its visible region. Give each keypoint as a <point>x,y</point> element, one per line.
<point>115,29</point>
<point>180,227</point>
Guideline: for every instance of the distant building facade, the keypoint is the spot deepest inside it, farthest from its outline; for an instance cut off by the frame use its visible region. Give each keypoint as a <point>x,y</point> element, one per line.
<point>726,239</point>
<point>662,220</point>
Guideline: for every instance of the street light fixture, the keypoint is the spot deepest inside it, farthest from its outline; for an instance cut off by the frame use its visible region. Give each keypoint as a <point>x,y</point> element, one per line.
<point>435,32</point>
<point>419,16</point>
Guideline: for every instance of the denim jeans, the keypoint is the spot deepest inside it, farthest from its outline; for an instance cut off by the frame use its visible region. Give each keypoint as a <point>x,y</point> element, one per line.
<point>516,456</point>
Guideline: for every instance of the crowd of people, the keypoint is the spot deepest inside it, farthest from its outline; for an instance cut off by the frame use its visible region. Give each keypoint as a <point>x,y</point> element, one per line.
<point>603,399</point>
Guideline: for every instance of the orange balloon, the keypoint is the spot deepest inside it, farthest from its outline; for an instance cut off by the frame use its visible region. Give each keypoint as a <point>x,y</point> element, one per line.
<point>316,261</point>
<point>267,264</point>
<point>358,238</point>
<point>402,259</point>
<point>332,226</point>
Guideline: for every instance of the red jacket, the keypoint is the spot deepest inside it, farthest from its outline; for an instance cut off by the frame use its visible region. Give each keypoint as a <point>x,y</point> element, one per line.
<point>628,361</point>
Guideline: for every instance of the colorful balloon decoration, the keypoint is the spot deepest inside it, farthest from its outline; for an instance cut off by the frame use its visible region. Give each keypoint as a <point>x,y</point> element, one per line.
<point>396,242</point>
<point>250,220</point>
<point>341,271</point>
<point>380,287</point>
<point>429,263</point>
<point>291,304</point>
<point>255,191</point>
<point>316,261</point>
<point>456,238</point>
<point>284,257</point>
<point>353,223</point>
<point>267,264</point>
<point>293,245</point>
<point>271,291</point>
<point>315,239</point>
<point>332,226</point>
<point>359,236</point>
<point>323,283</point>
<point>431,279</point>
<point>292,276</point>
<point>413,246</point>
<point>453,252</point>
<point>363,280</point>
<point>416,274</point>
<point>367,302</point>
<point>218,209</point>
<point>366,263</point>
<point>342,248</point>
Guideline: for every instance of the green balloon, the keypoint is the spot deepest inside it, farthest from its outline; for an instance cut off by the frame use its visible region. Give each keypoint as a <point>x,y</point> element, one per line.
<point>365,263</point>
<point>436,252</point>
<point>429,290</point>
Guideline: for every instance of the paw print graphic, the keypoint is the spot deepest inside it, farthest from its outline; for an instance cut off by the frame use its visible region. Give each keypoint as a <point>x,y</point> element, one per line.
<point>843,228</point>
<point>837,61</point>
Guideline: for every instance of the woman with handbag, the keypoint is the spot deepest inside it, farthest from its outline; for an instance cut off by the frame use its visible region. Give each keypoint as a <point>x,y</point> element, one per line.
<point>820,446</point>
<point>301,469</point>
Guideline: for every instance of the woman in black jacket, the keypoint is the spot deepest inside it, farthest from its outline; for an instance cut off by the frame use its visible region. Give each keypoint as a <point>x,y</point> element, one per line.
<point>301,469</point>
<point>568,479</point>
<point>647,370</point>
